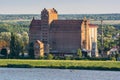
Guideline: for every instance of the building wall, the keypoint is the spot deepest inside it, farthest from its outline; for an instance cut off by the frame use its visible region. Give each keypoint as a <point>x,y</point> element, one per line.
<point>93,40</point>
<point>65,41</point>
<point>82,35</point>
<point>34,35</point>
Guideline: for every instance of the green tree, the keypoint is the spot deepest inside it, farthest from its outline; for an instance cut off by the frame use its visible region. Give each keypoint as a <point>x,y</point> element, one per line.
<point>15,47</point>
<point>25,38</point>
<point>4,52</point>
<point>31,50</point>
<point>109,37</point>
<point>5,36</point>
<point>12,46</point>
<point>118,42</point>
<point>79,53</point>
<point>24,42</point>
<point>22,48</point>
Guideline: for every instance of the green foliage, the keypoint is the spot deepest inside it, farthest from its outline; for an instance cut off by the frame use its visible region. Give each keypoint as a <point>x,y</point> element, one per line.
<point>31,50</point>
<point>113,58</point>
<point>17,17</point>
<point>5,36</point>
<point>118,41</point>
<point>15,46</point>
<point>117,56</point>
<point>50,56</point>
<point>4,52</point>
<point>24,40</point>
<point>14,27</point>
<point>68,57</point>
<point>109,37</point>
<point>79,53</point>
<point>42,57</point>
<point>20,39</point>
<point>12,46</point>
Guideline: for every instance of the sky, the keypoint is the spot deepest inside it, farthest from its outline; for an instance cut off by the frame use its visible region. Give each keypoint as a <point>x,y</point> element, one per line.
<point>62,6</point>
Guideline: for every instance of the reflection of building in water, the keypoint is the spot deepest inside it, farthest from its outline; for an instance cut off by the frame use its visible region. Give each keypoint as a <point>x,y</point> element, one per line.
<point>63,36</point>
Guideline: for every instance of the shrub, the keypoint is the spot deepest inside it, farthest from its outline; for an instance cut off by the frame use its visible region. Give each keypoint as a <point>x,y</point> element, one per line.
<point>113,58</point>
<point>79,53</point>
<point>4,52</point>
<point>41,57</point>
<point>68,57</point>
<point>50,56</point>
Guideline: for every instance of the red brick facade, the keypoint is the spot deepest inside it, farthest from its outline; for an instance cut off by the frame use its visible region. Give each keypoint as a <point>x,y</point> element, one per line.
<point>62,36</point>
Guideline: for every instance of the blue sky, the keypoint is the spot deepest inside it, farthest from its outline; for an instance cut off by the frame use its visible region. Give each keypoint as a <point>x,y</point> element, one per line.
<point>62,6</point>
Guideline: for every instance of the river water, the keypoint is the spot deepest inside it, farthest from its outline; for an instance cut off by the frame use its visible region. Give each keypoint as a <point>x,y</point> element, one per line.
<point>56,74</point>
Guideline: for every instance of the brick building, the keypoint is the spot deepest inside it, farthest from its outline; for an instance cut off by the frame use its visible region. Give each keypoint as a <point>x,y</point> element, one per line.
<point>63,36</point>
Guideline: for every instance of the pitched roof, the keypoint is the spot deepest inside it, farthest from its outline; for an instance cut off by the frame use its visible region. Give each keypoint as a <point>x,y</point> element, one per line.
<point>35,22</point>
<point>66,25</point>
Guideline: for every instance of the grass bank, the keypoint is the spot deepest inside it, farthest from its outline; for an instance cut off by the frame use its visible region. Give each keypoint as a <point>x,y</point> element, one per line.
<point>61,64</point>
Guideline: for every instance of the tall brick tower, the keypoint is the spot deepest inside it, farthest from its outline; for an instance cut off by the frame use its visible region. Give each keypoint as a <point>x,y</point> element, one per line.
<point>47,16</point>
<point>85,34</point>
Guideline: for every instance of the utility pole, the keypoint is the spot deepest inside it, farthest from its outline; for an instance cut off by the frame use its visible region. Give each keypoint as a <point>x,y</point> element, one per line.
<point>102,45</point>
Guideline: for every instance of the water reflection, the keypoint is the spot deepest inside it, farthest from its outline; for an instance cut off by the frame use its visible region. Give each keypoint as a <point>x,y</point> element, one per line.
<point>56,74</point>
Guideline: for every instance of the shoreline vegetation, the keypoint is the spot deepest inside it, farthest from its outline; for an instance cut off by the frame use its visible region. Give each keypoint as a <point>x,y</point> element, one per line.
<point>61,64</point>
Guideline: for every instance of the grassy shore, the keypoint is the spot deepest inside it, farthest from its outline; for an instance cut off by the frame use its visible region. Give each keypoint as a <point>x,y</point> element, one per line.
<point>61,64</point>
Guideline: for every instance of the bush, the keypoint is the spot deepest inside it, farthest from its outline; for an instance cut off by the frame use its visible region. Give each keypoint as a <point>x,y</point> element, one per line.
<point>50,56</point>
<point>79,53</point>
<point>67,57</point>
<point>57,58</point>
<point>113,58</point>
<point>4,52</point>
<point>41,57</point>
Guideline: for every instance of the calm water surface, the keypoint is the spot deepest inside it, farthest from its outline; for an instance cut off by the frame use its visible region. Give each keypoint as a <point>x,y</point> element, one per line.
<point>56,74</point>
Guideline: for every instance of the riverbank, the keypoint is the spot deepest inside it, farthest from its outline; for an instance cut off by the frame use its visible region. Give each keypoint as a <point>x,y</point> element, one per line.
<point>61,64</point>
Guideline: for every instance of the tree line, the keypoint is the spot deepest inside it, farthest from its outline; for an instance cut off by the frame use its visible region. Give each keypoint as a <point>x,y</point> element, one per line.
<point>29,17</point>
